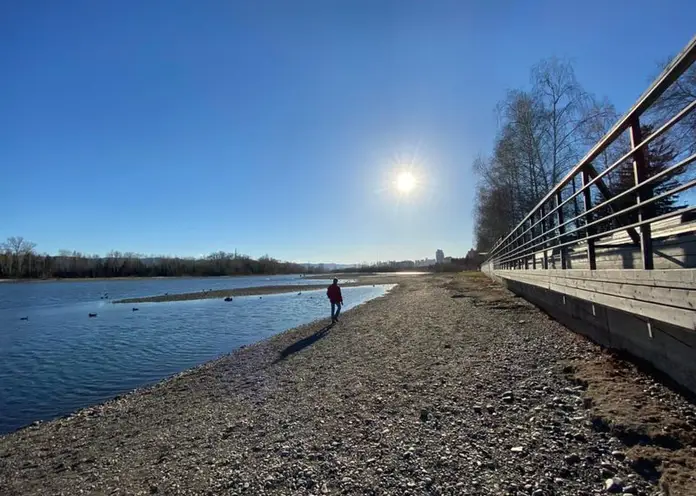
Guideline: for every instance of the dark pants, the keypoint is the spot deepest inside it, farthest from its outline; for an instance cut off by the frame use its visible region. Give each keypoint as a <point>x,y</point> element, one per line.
<point>335,310</point>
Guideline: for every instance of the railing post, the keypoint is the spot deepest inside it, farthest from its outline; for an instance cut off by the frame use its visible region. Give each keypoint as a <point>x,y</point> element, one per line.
<point>531,237</point>
<point>561,228</point>
<point>524,240</point>
<point>543,238</point>
<point>517,247</point>
<point>640,169</point>
<point>587,200</point>
<point>575,202</point>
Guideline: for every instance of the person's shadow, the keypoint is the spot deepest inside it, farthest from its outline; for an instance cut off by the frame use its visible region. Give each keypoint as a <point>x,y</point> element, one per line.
<point>304,342</point>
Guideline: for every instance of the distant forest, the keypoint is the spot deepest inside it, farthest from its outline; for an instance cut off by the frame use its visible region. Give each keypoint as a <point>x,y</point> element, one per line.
<point>471,261</point>
<point>19,260</point>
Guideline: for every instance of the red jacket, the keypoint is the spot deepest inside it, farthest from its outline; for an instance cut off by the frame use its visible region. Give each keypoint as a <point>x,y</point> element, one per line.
<point>334,294</point>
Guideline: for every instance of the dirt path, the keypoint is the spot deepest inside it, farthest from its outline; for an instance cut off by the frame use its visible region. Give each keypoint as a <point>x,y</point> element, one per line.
<point>438,388</point>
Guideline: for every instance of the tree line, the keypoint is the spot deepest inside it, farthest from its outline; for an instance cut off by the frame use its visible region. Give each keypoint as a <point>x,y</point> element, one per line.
<point>546,129</point>
<point>471,261</point>
<point>19,260</point>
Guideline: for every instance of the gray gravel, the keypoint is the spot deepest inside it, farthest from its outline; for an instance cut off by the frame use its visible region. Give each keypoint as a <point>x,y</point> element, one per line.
<point>413,393</point>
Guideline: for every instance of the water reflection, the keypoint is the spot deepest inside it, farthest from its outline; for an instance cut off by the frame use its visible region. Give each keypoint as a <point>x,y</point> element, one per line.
<point>61,360</point>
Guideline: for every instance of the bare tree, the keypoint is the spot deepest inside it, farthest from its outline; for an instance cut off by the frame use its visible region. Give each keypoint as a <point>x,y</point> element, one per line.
<point>19,249</point>
<point>565,110</point>
<point>677,97</point>
<point>5,261</point>
<point>543,133</point>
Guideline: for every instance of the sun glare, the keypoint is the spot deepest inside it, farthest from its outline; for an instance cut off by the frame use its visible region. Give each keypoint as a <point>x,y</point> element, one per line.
<point>405,182</point>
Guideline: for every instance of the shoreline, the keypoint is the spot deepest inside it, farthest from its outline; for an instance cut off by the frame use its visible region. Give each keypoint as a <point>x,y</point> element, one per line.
<point>272,341</point>
<point>442,376</point>
<point>134,278</point>
<point>89,410</point>
<point>259,290</point>
<point>224,293</point>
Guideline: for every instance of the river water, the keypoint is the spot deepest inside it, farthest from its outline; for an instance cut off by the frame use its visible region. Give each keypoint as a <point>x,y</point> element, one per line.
<point>60,359</point>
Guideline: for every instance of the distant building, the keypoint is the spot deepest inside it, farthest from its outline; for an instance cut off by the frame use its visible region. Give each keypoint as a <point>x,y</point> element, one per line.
<point>426,262</point>
<point>440,256</point>
<point>475,258</point>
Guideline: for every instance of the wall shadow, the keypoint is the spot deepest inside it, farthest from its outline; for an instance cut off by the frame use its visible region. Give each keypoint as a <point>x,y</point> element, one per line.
<point>627,257</point>
<point>683,264</point>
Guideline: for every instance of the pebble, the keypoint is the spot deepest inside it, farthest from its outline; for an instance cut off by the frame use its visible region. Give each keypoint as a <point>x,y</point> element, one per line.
<point>613,485</point>
<point>607,473</point>
<point>366,424</point>
<point>619,455</point>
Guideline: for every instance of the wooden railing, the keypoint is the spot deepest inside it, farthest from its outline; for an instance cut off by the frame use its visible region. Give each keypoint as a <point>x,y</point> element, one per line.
<point>552,229</point>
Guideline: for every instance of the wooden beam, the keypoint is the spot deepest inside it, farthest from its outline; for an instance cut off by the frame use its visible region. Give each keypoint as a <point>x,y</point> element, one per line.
<point>561,228</point>
<point>543,237</point>
<point>587,200</point>
<point>606,193</point>
<point>640,169</point>
<point>666,278</point>
<point>682,317</point>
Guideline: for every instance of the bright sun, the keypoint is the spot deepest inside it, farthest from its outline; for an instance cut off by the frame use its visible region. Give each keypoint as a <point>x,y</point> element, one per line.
<point>405,182</point>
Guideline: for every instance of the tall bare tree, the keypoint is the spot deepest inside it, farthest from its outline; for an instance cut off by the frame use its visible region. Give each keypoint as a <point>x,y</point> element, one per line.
<point>543,134</point>
<point>678,95</point>
<point>19,249</point>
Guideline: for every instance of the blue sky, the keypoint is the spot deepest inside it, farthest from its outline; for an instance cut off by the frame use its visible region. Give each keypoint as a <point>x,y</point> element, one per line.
<point>182,127</point>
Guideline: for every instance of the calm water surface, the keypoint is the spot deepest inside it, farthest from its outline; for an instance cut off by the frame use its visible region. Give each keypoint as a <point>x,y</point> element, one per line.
<point>61,360</point>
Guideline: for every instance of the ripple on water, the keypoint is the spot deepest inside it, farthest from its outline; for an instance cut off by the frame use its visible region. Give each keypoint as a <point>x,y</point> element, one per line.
<point>61,360</point>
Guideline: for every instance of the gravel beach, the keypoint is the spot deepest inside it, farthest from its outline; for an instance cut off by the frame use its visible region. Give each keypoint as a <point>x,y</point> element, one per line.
<point>447,385</point>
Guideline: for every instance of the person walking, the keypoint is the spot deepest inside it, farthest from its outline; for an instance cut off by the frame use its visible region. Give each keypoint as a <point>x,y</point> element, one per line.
<point>336,299</point>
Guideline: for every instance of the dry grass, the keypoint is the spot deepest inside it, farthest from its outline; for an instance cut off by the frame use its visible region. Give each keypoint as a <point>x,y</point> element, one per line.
<point>657,424</point>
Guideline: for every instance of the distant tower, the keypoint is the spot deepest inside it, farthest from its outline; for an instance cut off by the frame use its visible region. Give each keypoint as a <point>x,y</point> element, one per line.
<point>440,256</point>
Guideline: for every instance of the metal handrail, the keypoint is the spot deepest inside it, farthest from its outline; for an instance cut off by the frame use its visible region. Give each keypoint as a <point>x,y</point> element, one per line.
<point>666,194</point>
<point>664,128</point>
<point>633,189</point>
<point>514,246</point>
<point>669,215</point>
